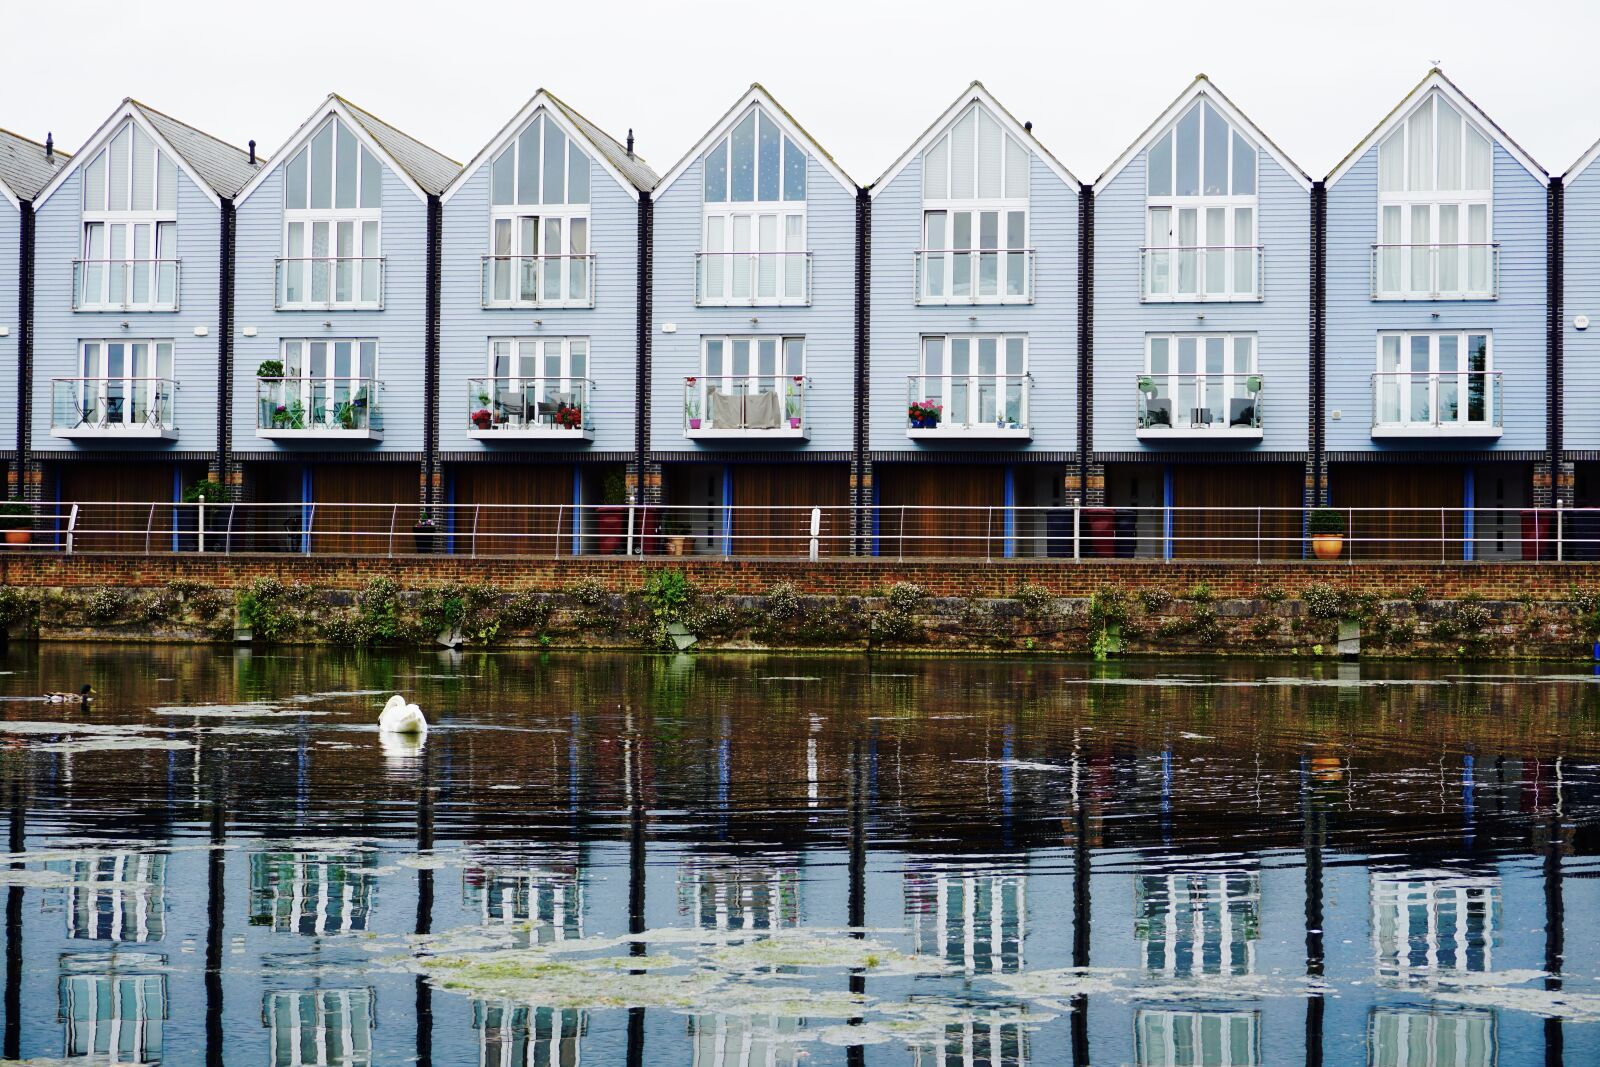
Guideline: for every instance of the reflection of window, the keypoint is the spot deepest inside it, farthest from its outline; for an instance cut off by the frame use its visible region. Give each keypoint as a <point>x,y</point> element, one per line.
<point>1201,211</point>
<point>978,379</point>
<point>1435,186</point>
<point>130,226</point>
<point>1197,1038</point>
<point>992,1040</point>
<point>723,893</point>
<point>518,1035</point>
<point>754,236</point>
<point>311,892</point>
<point>973,917</point>
<point>333,210</point>
<point>551,897</point>
<point>1443,379</point>
<point>1428,922</point>
<point>1198,922</point>
<point>325,1027</point>
<point>975,213</point>
<point>1207,380</point>
<point>118,896</point>
<point>1410,1038</point>
<point>539,219</point>
<point>110,1015</point>
<point>745,1040</point>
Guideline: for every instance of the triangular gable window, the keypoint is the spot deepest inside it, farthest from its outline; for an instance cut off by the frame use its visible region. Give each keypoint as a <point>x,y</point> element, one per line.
<point>1201,212</point>
<point>539,222</point>
<point>975,215</point>
<point>753,233</point>
<point>129,251</point>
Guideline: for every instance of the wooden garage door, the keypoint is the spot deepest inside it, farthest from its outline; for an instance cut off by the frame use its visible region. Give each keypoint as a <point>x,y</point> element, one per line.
<point>484,524</point>
<point>914,516</point>
<point>366,530</point>
<point>773,503</point>
<point>1418,504</point>
<point>1218,533</point>
<point>123,497</point>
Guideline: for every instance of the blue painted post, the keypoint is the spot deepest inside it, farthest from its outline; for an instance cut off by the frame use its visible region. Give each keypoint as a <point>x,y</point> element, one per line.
<point>727,510</point>
<point>577,510</point>
<point>1469,497</point>
<point>1166,511</point>
<point>1011,512</point>
<point>876,513</point>
<point>1469,807</point>
<point>306,497</point>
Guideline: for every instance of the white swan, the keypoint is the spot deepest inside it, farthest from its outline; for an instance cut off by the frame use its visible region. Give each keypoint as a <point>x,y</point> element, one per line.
<point>401,718</point>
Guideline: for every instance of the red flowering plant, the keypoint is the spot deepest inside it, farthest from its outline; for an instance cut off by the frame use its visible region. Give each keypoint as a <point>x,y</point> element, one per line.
<point>482,419</point>
<point>569,417</point>
<point>924,414</point>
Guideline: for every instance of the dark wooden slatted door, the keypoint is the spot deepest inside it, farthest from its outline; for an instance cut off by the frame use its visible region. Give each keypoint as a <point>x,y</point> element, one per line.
<point>773,502</point>
<point>127,498</point>
<point>1419,516</point>
<point>912,520</point>
<point>1227,534</point>
<point>363,530</point>
<point>540,524</point>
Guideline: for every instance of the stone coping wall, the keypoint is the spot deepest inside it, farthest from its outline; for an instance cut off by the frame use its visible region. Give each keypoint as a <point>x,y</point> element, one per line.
<point>1101,608</point>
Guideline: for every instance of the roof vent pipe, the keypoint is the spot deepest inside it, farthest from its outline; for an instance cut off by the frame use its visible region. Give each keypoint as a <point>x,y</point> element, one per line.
<point>49,146</point>
<point>1028,126</point>
<point>252,153</point>
<point>630,142</point>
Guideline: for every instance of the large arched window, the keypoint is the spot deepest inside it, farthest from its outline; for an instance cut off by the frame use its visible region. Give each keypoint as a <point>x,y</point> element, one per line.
<point>129,254</point>
<point>754,230</point>
<point>975,215</point>
<point>1200,203</point>
<point>332,215</point>
<point>1435,186</point>
<point>539,222</point>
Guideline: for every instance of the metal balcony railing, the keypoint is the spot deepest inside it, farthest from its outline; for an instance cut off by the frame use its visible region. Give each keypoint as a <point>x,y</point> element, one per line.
<point>739,279</point>
<point>331,407</point>
<point>1200,273</point>
<point>972,405</point>
<point>974,276</point>
<point>1436,271</point>
<point>1199,405</point>
<point>125,284</point>
<point>538,281</point>
<point>112,407</point>
<point>551,407</point>
<point>330,283</point>
<point>751,405</point>
<point>1421,403</point>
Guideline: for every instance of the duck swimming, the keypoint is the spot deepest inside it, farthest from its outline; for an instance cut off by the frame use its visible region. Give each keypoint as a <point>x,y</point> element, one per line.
<point>82,696</point>
<point>398,717</point>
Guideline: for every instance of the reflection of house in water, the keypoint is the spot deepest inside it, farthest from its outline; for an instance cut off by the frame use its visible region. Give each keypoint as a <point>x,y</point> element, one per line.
<point>1164,1038</point>
<point>1194,922</point>
<point>975,1043</point>
<point>744,1040</point>
<point>1427,922</point>
<point>322,1027</point>
<point>311,892</point>
<point>731,893</point>
<point>1404,1037</point>
<point>971,915</point>
<point>547,891</point>
<point>116,896</point>
<point>518,1035</point>
<point>110,1012</point>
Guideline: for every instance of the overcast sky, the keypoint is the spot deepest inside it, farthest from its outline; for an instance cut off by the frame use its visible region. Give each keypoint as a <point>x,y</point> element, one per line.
<point>863,76</point>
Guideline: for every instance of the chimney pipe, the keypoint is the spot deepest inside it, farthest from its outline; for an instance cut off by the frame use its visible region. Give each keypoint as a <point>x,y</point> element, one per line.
<point>252,152</point>
<point>630,142</point>
<point>49,146</point>
<point>1028,125</point>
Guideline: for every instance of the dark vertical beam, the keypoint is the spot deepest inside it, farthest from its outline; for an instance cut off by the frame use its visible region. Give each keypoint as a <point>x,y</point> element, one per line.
<point>861,423</point>
<point>1081,870</point>
<point>216,912</point>
<point>642,329</point>
<point>857,894</point>
<point>636,883</point>
<point>430,353</point>
<point>424,924</point>
<point>1317,445</point>
<point>1085,338</point>
<point>1555,342</point>
<point>1555,929</point>
<point>25,353</point>
<point>1313,829</point>
<point>11,1047</point>
<point>225,287</point>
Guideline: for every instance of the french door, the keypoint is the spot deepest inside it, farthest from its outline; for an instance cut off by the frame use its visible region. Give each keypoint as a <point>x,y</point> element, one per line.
<point>975,254</point>
<point>131,265</point>
<point>540,259</point>
<point>1435,379</point>
<point>126,383</point>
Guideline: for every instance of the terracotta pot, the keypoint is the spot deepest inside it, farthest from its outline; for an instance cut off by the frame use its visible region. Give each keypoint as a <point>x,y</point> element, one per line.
<point>1328,546</point>
<point>19,537</point>
<point>675,546</point>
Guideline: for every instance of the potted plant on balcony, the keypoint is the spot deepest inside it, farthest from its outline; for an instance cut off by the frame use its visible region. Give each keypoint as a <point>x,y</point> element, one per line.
<point>791,402</point>
<point>925,414</point>
<point>1327,528</point>
<point>424,533</point>
<point>16,519</point>
<point>613,511</point>
<point>569,417</point>
<point>483,419</point>
<point>269,370</point>
<point>691,406</point>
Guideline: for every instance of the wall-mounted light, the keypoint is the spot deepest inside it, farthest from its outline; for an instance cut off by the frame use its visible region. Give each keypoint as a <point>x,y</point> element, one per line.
<point>201,331</point>
<point>1335,414</point>
<point>124,324</point>
<point>5,331</point>
<point>328,325</point>
<point>249,331</point>
<point>669,327</point>
<point>1581,322</point>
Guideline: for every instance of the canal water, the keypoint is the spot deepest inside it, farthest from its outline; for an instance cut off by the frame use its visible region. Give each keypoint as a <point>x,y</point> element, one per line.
<point>770,860</point>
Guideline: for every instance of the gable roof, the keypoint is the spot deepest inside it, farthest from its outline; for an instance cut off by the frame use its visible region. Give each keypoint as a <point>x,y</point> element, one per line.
<point>424,171</point>
<point>1203,86</point>
<point>631,171</point>
<point>215,166</point>
<point>757,94</point>
<point>975,93</point>
<point>1581,164</point>
<point>24,167</point>
<point>1435,80</point>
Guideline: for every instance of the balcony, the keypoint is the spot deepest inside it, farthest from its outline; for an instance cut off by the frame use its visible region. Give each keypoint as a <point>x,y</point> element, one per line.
<point>1200,274</point>
<point>125,284</point>
<point>113,409</point>
<point>513,410</point>
<point>968,406</point>
<point>538,281</point>
<point>1463,404</point>
<point>1436,272</point>
<point>751,279</point>
<point>974,276</point>
<point>748,407</point>
<point>330,283</point>
<point>318,409</point>
<point>1199,407</point>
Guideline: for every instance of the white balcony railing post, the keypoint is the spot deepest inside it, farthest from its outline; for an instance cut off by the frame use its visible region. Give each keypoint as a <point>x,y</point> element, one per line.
<point>200,524</point>
<point>72,527</point>
<point>816,530</point>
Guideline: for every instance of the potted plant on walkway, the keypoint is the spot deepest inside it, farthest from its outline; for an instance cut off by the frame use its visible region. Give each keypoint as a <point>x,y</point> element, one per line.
<point>613,512</point>
<point>214,495</point>
<point>425,533</point>
<point>691,406</point>
<point>16,519</point>
<point>677,533</point>
<point>1327,529</point>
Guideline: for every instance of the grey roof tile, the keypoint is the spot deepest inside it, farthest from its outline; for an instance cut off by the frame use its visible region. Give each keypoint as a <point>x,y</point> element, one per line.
<point>431,170</point>
<point>24,168</point>
<point>630,166</point>
<point>219,164</point>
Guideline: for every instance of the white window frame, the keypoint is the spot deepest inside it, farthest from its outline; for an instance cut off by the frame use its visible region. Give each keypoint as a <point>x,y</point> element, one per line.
<point>942,265</point>
<point>517,350</point>
<point>754,252</point>
<point>142,400</point>
<point>983,404</point>
<point>329,388</point>
<point>519,276</point>
<point>1402,386</point>
<point>1170,257</point>
<point>1202,389</point>
<point>110,278</point>
<point>1397,264</point>
<point>785,348</point>
<point>353,260</point>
